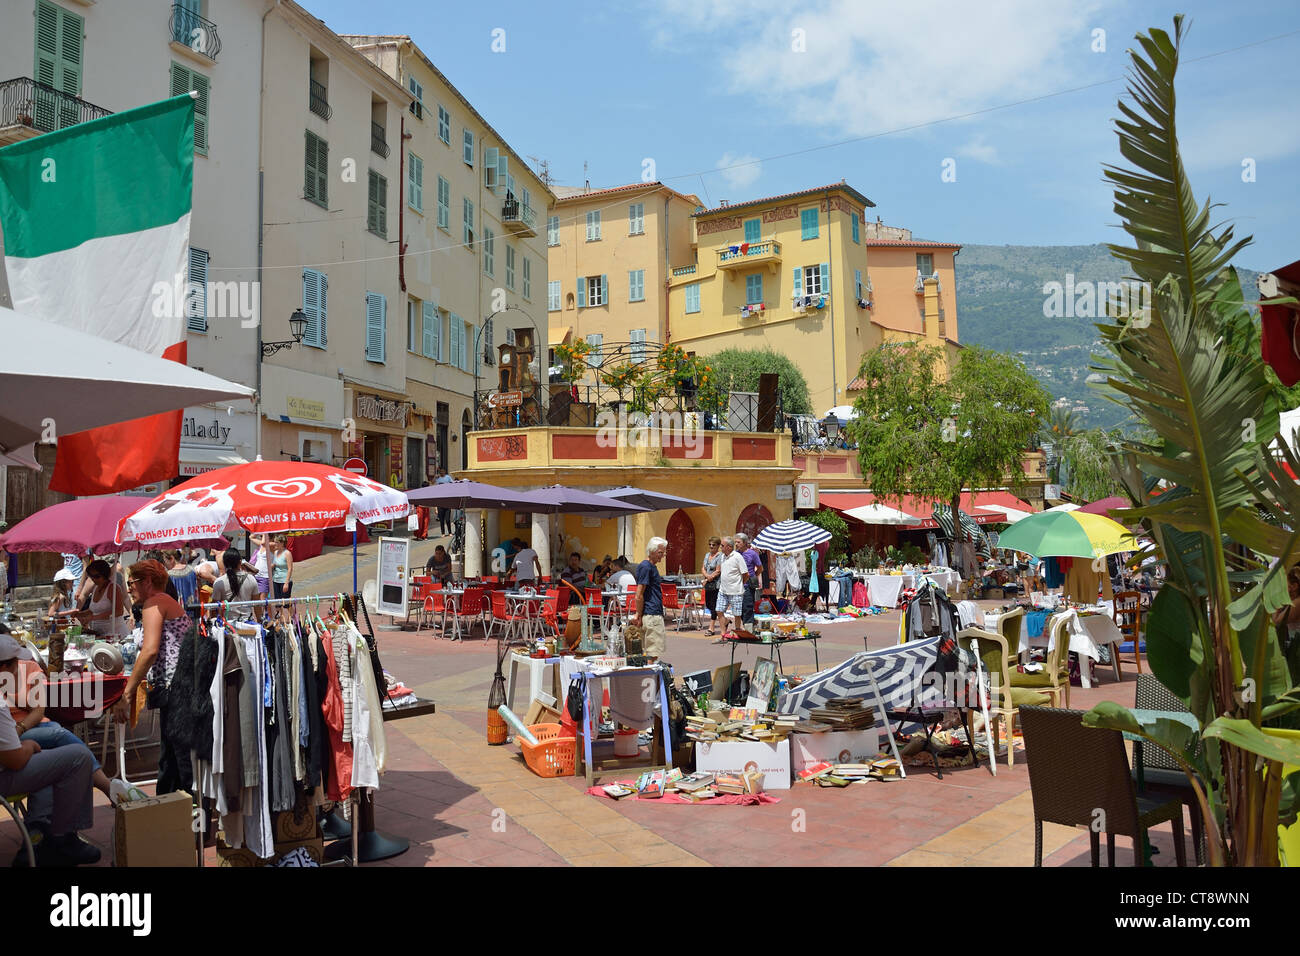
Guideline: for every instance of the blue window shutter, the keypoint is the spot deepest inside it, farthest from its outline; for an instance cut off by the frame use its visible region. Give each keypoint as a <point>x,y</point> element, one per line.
<point>604,290</point>
<point>808,222</point>
<point>429,337</point>
<point>311,307</point>
<point>582,292</point>
<point>856,233</point>
<point>826,278</point>
<point>375,322</point>
<point>798,282</point>
<point>324,285</point>
<point>857,283</point>
<point>753,230</point>
<point>443,346</point>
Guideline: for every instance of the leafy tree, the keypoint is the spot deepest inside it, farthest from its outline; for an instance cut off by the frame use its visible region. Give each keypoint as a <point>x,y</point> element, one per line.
<point>1223,524</point>
<point>739,369</point>
<point>1085,461</point>
<point>839,528</point>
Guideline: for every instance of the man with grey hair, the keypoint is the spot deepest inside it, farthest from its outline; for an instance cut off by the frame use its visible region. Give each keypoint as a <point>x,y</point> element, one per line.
<point>754,584</point>
<point>650,601</point>
<point>734,574</point>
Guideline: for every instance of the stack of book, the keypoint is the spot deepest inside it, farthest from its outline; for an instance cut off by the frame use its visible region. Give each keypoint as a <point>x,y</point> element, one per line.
<point>750,781</point>
<point>844,713</point>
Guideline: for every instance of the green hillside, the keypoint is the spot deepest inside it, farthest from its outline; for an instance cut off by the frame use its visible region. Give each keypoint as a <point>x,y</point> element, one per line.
<point>1000,305</point>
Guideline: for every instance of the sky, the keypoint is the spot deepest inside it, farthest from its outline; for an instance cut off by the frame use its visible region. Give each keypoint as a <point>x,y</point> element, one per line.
<point>974,123</point>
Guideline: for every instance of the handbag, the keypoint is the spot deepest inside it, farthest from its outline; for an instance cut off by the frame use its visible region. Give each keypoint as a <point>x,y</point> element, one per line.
<point>573,702</point>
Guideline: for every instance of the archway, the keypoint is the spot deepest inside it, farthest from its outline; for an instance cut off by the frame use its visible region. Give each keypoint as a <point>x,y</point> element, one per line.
<point>753,519</point>
<point>681,544</point>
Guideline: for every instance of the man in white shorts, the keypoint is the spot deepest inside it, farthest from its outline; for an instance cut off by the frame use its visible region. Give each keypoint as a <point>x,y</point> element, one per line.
<point>733,580</point>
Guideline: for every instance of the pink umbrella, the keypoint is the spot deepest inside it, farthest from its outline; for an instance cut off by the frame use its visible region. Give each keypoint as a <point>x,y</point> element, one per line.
<point>1105,505</point>
<point>85,524</point>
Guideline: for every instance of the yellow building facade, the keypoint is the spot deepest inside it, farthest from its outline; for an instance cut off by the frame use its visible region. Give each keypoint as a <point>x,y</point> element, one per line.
<point>798,273</point>
<point>609,254</point>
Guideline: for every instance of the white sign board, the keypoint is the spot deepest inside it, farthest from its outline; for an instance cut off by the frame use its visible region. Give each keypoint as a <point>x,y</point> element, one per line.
<point>805,495</point>
<point>394,562</point>
<point>783,493</point>
<point>771,760</point>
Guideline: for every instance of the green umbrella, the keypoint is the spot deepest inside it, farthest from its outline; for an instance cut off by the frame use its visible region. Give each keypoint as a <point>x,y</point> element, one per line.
<point>1067,534</point>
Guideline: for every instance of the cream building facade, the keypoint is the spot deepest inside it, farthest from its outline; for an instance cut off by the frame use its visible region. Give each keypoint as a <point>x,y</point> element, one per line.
<point>473,262</point>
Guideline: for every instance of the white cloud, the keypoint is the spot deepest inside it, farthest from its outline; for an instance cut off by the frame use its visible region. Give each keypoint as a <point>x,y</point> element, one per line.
<point>980,151</point>
<point>1212,135</point>
<point>739,171</point>
<point>868,68</point>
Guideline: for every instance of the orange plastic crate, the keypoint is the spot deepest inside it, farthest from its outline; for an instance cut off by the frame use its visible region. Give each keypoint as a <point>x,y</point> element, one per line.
<point>552,755</point>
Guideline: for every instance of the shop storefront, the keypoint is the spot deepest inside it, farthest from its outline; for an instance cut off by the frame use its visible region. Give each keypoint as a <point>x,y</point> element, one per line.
<point>380,439</point>
<point>213,437</point>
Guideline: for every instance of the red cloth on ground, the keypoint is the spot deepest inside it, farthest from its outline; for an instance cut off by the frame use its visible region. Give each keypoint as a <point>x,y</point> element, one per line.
<point>721,800</point>
<point>340,782</point>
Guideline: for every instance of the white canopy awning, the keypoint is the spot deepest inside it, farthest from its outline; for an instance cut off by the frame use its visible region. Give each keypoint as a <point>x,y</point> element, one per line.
<point>198,461</point>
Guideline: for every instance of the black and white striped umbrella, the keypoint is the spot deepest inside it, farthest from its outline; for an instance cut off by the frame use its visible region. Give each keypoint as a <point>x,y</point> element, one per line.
<point>790,535</point>
<point>970,530</point>
<point>898,672</point>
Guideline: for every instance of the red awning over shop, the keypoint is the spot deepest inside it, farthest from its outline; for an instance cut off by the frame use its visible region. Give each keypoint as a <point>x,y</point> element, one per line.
<point>978,506</point>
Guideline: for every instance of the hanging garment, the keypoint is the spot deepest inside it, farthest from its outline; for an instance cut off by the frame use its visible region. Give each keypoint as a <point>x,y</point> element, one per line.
<point>832,592</point>
<point>232,757</point>
<point>280,738</point>
<point>1053,576</point>
<point>315,680</point>
<point>369,748</point>
<point>860,598</point>
<point>343,664</point>
<point>297,705</point>
<point>339,757</point>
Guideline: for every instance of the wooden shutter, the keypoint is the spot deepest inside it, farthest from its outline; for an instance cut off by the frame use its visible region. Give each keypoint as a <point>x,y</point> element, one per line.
<point>798,282</point>
<point>196,293</point>
<point>429,345</point>
<point>313,304</point>
<point>375,309</point>
<point>582,292</point>
<point>604,290</point>
<point>753,230</point>
<point>826,278</point>
<point>504,180</point>
<point>490,180</point>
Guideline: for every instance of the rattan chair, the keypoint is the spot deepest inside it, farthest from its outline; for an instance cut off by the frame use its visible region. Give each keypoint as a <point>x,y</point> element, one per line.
<point>1161,774</point>
<point>1004,698</point>
<point>1079,776</point>
<point>14,804</point>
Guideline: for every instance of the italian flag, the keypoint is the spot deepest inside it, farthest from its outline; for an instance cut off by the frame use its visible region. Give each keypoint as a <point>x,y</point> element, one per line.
<point>96,223</point>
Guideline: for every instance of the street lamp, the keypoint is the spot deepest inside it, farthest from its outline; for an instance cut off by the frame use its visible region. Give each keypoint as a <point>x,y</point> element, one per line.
<point>297,328</point>
<point>832,426</point>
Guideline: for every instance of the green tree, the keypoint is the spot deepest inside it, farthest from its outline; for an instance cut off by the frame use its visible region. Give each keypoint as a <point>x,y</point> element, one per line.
<point>920,435</point>
<point>1223,524</point>
<point>738,370</point>
<point>839,528</point>
<point>1086,465</point>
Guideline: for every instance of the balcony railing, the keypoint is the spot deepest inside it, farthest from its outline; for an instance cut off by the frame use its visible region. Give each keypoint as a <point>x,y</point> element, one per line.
<point>25,102</point>
<point>319,103</point>
<point>683,271</point>
<point>378,142</point>
<point>519,218</point>
<point>748,254</point>
<point>191,30</point>
<point>556,406</point>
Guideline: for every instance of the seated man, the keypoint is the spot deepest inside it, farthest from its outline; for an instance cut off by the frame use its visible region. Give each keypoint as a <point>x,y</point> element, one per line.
<point>622,579</point>
<point>573,572</point>
<point>57,781</point>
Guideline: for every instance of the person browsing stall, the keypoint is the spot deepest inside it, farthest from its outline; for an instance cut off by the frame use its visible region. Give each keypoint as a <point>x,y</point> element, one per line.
<point>732,580</point>
<point>281,568</point>
<point>710,571</point>
<point>61,601</point>
<point>649,613</point>
<point>108,614</point>
<point>236,585</point>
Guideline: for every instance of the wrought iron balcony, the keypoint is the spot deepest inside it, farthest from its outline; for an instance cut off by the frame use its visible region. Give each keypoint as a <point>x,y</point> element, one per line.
<point>378,143</point>
<point>191,30</point>
<point>319,103</point>
<point>518,218</point>
<point>747,255</point>
<point>29,108</point>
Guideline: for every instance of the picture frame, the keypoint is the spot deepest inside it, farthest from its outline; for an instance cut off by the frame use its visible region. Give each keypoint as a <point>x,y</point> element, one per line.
<point>762,684</point>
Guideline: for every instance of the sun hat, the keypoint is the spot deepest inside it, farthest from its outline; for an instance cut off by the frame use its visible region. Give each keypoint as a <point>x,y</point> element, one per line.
<point>63,574</point>
<point>10,649</point>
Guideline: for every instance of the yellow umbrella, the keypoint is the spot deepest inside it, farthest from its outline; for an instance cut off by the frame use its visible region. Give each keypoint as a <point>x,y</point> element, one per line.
<point>1067,534</point>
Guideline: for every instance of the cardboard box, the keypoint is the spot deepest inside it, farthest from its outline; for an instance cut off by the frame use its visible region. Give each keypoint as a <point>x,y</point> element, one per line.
<point>771,760</point>
<point>836,746</point>
<point>155,832</point>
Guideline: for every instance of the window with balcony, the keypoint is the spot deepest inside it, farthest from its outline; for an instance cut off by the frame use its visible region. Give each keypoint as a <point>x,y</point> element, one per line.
<point>191,30</point>
<point>318,85</point>
<point>593,225</point>
<point>925,264</point>
<point>58,65</point>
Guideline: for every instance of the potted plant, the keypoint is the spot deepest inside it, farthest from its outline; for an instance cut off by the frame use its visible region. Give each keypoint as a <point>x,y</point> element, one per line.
<point>620,378</point>
<point>573,359</point>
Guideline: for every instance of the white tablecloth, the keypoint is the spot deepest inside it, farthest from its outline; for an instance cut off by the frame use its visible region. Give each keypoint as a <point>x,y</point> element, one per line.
<point>1087,633</point>
<point>884,589</point>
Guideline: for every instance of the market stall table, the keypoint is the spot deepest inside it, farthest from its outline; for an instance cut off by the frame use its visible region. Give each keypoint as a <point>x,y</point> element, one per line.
<point>537,667</point>
<point>304,546</point>
<point>87,695</point>
<point>1087,634</point>
<point>774,642</point>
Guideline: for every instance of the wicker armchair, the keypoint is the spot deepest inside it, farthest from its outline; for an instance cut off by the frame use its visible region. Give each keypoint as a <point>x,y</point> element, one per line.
<point>1161,774</point>
<point>1079,777</point>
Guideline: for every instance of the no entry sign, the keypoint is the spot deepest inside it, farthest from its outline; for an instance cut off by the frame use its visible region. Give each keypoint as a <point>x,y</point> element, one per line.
<point>356,466</point>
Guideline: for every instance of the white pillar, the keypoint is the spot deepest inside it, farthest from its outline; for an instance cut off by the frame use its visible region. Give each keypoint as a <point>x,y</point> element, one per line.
<point>542,541</point>
<point>492,531</point>
<point>473,544</point>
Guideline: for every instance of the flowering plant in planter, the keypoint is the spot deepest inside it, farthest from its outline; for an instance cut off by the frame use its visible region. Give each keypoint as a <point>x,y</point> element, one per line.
<point>573,358</point>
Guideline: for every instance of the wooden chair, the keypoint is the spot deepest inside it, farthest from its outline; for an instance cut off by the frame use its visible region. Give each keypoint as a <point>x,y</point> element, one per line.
<point>1011,625</point>
<point>1130,618</point>
<point>1079,776</point>
<point>1005,699</point>
<point>16,806</point>
<point>1054,678</point>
